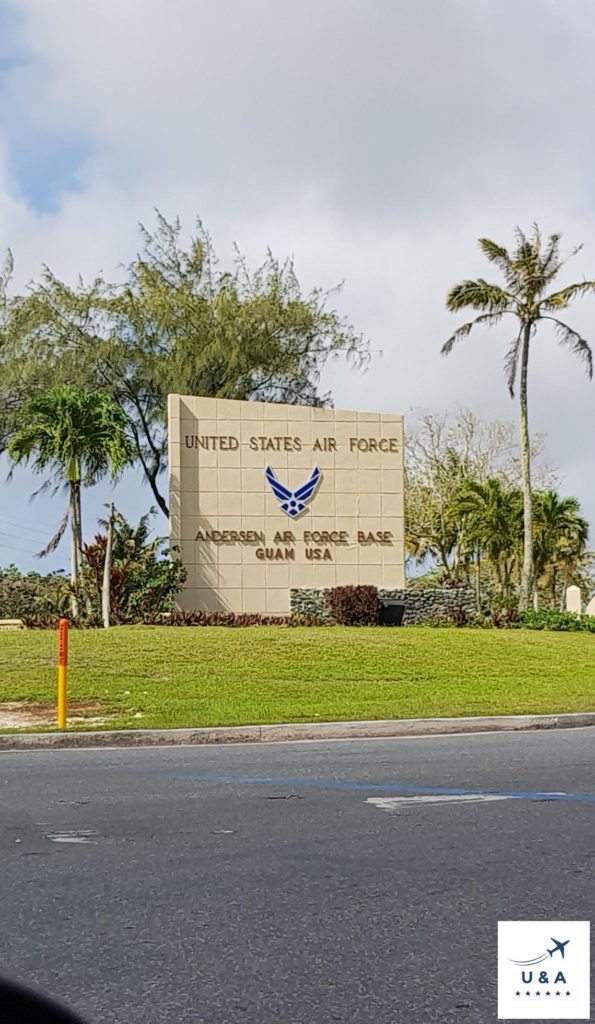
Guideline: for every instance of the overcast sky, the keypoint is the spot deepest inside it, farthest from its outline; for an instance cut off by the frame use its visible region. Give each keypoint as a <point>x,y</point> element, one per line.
<point>373,140</point>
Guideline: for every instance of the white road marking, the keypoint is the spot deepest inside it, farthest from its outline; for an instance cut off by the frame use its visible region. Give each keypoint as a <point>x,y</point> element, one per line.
<point>395,803</point>
<point>80,836</point>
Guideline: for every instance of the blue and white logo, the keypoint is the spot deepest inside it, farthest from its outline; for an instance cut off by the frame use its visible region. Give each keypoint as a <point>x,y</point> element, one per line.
<point>559,947</point>
<point>543,970</point>
<point>293,503</point>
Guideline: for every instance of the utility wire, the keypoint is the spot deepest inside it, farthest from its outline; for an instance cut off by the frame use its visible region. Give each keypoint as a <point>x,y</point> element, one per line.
<point>24,551</point>
<point>23,526</point>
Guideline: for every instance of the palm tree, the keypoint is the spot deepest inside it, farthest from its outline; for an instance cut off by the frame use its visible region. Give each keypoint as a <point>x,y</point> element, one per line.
<point>492,514</point>
<point>527,271</point>
<point>132,542</point>
<point>78,435</point>
<point>560,536</point>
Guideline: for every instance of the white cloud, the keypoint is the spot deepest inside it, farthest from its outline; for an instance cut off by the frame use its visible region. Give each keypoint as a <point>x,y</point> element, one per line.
<point>375,142</point>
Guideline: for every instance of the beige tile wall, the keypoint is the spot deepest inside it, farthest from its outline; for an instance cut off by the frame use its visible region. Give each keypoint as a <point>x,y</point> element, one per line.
<point>218,489</point>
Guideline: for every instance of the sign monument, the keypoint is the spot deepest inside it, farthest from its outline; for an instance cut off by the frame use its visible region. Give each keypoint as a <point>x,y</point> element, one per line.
<point>267,497</point>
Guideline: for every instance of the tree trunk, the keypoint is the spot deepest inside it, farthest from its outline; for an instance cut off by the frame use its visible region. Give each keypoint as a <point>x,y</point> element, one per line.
<point>78,538</point>
<point>152,478</point>
<point>79,522</point>
<point>151,474</point>
<point>107,566</point>
<point>443,557</point>
<point>527,571</point>
<point>478,580</point>
<point>74,552</point>
<point>506,587</point>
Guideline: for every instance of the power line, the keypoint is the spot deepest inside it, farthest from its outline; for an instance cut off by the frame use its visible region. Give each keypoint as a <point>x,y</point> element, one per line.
<point>25,551</point>
<point>3,533</point>
<point>22,526</point>
<point>19,536</point>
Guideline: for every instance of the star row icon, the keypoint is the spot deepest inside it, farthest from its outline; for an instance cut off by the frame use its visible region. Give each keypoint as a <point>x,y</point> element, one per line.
<point>542,993</point>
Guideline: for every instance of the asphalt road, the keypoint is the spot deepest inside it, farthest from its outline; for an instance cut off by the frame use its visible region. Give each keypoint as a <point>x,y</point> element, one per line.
<point>259,884</point>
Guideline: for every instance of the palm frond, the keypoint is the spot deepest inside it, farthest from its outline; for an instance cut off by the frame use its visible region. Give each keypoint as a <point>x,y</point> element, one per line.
<point>479,294</point>
<point>523,250</point>
<point>491,319</point>
<point>563,298</point>
<point>551,262</point>
<point>574,341</point>
<point>54,484</point>
<point>535,265</point>
<point>500,256</point>
<point>53,543</point>
<point>528,263</point>
<point>536,237</point>
<point>511,362</point>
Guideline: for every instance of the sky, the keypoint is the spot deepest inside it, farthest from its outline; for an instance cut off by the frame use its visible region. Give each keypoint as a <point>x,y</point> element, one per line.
<point>372,140</point>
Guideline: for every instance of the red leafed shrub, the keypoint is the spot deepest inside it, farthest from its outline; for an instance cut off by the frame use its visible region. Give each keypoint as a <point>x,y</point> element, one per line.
<point>200,618</point>
<point>235,619</point>
<point>51,622</point>
<point>354,606</point>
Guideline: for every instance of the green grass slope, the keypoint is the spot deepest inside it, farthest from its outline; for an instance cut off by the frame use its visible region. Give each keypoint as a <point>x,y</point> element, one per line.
<point>218,676</point>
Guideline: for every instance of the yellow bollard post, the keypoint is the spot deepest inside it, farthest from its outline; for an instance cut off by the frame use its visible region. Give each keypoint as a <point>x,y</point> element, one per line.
<point>62,702</point>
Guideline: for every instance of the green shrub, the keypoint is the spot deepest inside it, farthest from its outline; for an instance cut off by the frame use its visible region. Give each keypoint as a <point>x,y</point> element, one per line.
<point>354,606</point>
<point>566,622</point>
<point>33,596</point>
<point>144,578</point>
<point>479,621</point>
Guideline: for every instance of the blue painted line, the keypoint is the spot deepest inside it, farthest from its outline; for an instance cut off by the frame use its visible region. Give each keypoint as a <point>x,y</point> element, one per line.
<point>373,787</point>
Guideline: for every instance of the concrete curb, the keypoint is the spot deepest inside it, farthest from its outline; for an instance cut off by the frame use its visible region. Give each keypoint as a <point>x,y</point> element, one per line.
<point>298,731</point>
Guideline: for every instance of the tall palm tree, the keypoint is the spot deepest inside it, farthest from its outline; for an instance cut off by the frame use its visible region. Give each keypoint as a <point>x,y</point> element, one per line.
<point>80,437</point>
<point>528,271</point>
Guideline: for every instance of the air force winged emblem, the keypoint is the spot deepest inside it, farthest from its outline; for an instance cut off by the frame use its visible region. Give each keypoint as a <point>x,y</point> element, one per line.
<point>293,503</point>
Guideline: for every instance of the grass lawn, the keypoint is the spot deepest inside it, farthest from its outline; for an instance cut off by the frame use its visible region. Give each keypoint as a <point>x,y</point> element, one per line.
<point>218,676</point>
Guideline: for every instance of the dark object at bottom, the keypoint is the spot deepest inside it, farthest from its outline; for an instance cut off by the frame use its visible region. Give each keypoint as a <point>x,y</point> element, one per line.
<point>391,613</point>
<point>22,1005</point>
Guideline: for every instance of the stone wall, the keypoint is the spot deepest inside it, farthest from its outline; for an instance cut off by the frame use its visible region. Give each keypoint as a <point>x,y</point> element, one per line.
<point>421,606</point>
<point>307,601</point>
<point>432,605</point>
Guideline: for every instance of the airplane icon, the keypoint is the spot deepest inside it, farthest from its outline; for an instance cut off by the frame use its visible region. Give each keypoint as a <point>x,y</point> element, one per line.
<point>558,947</point>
